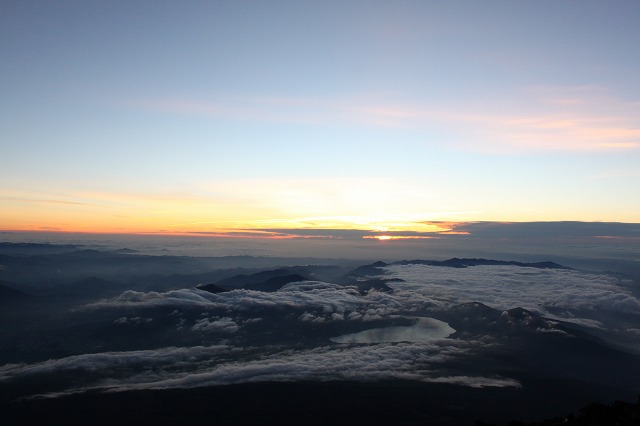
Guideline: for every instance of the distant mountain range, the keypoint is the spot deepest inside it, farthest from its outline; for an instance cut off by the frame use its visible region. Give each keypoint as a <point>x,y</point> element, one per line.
<point>463,263</point>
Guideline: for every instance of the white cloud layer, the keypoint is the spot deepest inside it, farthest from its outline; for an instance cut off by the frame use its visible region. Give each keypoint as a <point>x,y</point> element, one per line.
<point>103,361</point>
<point>559,293</point>
<point>223,325</point>
<point>322,301</point>
<point>420,352</point>
<point>581,298</point>
<point>209,366</point>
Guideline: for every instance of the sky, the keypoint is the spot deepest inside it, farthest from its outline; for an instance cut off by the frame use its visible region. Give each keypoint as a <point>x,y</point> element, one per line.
<point>221,117</point>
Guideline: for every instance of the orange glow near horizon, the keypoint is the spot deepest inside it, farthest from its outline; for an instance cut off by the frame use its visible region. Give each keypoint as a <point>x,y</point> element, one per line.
<point>244,232</point>
<point>267,208</point>
<point>398,237</point>
<point>180,217</point>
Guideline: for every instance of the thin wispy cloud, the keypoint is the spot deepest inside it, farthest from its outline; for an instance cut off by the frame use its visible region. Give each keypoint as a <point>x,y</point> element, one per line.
<point>47,201</point>
<point>194,367</point>
<point>539,119</point>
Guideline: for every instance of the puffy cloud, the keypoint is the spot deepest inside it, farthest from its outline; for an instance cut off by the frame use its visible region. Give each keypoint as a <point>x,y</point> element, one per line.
<point>337,316</point>
<point>329,297</point>
<point>220,325</point>
<point>322,302</point>
<point>562,294</point>
<point>134,299</point>
<point>309,317</point>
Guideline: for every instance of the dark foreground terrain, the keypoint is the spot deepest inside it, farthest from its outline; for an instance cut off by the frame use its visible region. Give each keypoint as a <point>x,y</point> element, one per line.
<point>539,402</point>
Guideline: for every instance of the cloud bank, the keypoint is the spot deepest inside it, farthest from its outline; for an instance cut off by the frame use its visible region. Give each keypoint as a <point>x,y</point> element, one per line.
<point>222,365</point>
<point>546,291</point>
<point>320,331</point>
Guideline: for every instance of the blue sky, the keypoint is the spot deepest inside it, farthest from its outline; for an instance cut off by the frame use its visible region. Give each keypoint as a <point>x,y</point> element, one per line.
<point>222,115</point>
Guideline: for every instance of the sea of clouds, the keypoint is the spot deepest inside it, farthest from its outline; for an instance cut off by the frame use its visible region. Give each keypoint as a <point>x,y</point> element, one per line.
<point>347,313</point>
<point>564,294</point>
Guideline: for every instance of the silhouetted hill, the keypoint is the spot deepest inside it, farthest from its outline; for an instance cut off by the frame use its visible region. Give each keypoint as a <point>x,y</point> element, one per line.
<point>10,295</point>
<point>35,248</point>
<point>375,284</point>
<point>125,251</point>
<point>618,413</point>
<point>268,281</point>
<point>211,288</point>
<point>366,270</point>
<point>275,283</point>
<point>88,287</point>
<point>477,318</point>
<point>242,280</point>
<point>322,403</point>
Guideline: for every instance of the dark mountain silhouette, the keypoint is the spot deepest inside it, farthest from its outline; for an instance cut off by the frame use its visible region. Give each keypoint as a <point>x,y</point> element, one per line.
<point>90,253</point>
<point>618,413</point>
<point>275,283</point>
<point>125,251</point>
<point>211,288</point>
<point>35,248</point>
<point>159,282</point>
<point>242,280</point>
<point>477,318</point>
<point>42,267</point>
<point>88,287</point>
<point>11,295</point>
<point>366,270</point>
<point>384,403</point>
<point>251,280</point>
<point>375,284</point>
<point>542,346</point>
